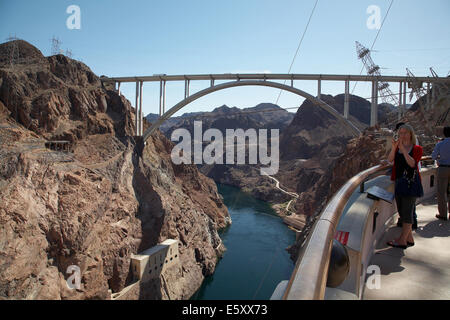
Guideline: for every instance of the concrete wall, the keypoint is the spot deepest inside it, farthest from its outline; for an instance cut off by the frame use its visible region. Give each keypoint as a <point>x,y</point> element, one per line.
<point>152,262</point>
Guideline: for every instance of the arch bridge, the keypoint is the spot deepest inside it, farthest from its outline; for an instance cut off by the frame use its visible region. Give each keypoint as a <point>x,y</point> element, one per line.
<point>269,80</point>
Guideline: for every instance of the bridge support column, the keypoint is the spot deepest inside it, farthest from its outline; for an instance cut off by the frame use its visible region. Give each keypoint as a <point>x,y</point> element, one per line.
<point>162,97</point>
<point>374,106</point>
<point>186,88</point>
<point>319,89</point>
<point>141,122</point>
<point>118,88</point>
<point>347,100</point>
<point>404,96</point>
<point>136,120</point>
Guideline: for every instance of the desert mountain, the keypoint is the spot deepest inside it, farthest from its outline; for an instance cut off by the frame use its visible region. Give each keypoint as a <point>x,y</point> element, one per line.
<point>93,207</point>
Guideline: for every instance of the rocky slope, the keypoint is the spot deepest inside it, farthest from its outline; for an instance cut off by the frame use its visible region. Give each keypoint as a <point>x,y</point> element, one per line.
<point>109,198</point>
<point>246,177</point>
<point>366,151</point>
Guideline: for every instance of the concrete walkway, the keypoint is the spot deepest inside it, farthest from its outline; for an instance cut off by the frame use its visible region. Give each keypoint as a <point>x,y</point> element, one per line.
<point>421,272</point>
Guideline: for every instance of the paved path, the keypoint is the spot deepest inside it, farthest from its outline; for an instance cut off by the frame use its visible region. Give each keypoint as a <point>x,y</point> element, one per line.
<point>420,272</point>
<point>292,194</point>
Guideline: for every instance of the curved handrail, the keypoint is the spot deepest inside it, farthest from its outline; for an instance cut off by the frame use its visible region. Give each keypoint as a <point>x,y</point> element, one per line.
<point>309,278</point>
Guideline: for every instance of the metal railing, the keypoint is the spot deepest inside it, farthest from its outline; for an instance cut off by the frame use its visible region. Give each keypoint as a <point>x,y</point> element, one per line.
<point>309,278</point>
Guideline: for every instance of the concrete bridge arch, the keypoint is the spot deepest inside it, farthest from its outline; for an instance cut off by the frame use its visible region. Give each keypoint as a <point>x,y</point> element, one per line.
<point>320,103</point>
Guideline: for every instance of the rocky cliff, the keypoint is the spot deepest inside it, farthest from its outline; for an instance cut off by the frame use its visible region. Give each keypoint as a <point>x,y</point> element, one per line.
<point>246,177</point>
<point>94,207</point>
<point>363,152</point>
<point>310,147</point>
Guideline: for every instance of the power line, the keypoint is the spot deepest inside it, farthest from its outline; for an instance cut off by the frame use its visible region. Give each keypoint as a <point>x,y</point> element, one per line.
<point>298,48</point>
<point>375,40</point>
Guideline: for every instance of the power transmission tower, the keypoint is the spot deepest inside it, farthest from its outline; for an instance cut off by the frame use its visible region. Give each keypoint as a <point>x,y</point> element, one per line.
<point>13,50</point>
<point>69,53</point>
<point>56,45</point>
<point>374,70</point>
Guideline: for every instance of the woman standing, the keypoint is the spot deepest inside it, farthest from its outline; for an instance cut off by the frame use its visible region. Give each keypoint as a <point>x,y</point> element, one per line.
<point>406,155</point>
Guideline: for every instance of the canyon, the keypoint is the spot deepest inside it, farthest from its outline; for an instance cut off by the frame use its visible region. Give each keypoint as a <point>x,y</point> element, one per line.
<point>94,207</point>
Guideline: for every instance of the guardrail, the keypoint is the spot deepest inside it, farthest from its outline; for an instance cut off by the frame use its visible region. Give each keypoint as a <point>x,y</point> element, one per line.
<point>309,278</point>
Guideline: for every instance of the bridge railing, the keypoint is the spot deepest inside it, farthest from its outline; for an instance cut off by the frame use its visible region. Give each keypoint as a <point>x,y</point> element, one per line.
<point>309,278</point>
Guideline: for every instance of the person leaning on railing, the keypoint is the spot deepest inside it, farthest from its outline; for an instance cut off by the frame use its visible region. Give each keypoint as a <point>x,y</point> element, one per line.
<point>405,154</point>
<point>399,222</point>
<point>441,154</point>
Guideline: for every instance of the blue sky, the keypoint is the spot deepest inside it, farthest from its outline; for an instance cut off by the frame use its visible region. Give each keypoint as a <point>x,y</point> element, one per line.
<point>128,38</point>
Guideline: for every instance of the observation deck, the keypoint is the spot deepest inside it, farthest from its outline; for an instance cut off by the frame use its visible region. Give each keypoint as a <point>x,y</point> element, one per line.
<point>363,224</point>
<point>421,272</point>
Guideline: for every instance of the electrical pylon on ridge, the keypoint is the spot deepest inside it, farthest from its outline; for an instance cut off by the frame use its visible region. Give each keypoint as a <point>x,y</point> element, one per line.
<point>56,46</point>
<point>13,50</point>
<point>374,70</point>
<point>69,53</point>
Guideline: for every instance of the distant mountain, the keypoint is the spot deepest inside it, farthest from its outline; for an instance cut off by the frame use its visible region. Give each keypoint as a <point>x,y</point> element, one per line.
<point>310,142</point>
<point>263,116</point>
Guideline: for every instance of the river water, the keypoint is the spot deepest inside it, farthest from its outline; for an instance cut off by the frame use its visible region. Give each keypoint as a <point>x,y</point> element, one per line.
<point>256,259</point>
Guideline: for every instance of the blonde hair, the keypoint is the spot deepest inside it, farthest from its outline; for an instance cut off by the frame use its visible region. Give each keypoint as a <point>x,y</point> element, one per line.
<point>411,131</point>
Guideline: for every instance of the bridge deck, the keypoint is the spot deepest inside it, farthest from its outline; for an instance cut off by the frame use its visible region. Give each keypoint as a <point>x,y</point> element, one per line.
<point>419,272</point>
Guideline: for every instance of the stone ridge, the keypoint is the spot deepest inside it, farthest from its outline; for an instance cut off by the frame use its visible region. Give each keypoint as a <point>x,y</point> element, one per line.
<point>109,198</point>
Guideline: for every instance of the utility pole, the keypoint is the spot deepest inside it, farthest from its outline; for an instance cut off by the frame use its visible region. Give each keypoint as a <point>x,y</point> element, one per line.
<point>56,45</point>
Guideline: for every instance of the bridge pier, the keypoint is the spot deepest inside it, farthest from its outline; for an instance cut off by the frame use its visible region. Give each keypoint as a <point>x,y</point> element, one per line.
<point>162,97</point>
<point>136,120</point>
<point>319,89</point>
<point>404,96</point>
<point>139,127</point>
<point>347,100</point>
<point>141,122</point>
<point>374,106</point>
<point>118,87</point>
<point>186,88</point>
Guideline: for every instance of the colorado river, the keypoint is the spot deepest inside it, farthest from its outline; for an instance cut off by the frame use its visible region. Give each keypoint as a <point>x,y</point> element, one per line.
<point>256,259</point>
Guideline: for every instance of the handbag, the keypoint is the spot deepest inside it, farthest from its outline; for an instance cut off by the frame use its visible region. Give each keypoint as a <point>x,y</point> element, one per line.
<point>409,184</point>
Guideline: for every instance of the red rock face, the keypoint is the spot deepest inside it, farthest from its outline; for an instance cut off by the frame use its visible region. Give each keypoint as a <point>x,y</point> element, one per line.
<point>95,207</point>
